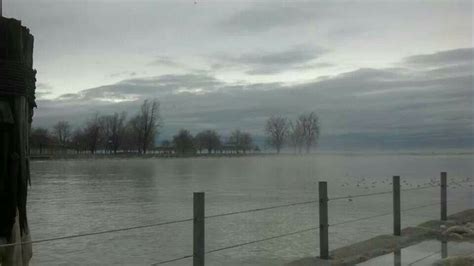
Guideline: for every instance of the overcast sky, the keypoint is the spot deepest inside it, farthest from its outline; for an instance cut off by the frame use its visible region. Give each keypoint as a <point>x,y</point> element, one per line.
<point>381,74</point>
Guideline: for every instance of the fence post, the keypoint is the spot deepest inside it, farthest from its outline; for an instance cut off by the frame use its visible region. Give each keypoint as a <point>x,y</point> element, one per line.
<point>444,206</point>
<point>323,221</point>
<point>198,229</point>
<point>396,206</point>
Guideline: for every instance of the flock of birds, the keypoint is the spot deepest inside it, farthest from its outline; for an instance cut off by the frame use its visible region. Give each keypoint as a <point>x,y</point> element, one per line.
<point>371,183</point>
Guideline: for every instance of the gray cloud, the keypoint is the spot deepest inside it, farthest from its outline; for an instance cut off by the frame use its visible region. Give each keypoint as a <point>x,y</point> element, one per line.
<point>261,63</point>
<point>443,58</point>
<point>166,61</point>
<point>390,107</point>
<point>123,74</point>
<point>139,88</point>
<point>42,90</point>
<point>264,17</point>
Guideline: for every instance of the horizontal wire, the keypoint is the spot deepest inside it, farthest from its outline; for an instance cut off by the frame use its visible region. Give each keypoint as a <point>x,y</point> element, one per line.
<point>376,193</point>
<point>457,183</point>
<point>359,195</point>
<point>153,225</point>
<point>263,239</point>
<point>95,233</point>
<point>391,191</point>
<point>234,213</point>
<point>314,228</point>
<point>419,188</point>
<point>383,214</point>
<point>173,260</point>
<point>242,244</point>
<point>361,219</point>
<point>262,209</point>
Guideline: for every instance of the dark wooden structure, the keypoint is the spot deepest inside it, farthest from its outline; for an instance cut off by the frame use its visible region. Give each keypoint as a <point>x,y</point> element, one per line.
<point>17,100</point>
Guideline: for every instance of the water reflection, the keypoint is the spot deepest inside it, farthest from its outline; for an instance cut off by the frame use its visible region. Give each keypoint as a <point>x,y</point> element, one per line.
<point>397,257</point>
<point>425,253</point>
<point>397,254</point>
<point>444,249</point>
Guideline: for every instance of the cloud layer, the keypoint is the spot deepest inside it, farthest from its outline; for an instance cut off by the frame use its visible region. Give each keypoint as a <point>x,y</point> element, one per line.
<point>425,101</point>
<point>261,63</point>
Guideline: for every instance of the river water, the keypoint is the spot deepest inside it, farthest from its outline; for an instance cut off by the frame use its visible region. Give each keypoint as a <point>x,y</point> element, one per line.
<point>70,197</point>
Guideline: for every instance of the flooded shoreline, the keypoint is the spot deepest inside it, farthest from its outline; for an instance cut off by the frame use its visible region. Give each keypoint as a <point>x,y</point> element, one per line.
<point>69,197</point>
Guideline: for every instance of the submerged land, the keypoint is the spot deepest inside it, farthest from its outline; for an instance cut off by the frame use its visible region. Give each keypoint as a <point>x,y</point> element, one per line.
<point>458,227</point>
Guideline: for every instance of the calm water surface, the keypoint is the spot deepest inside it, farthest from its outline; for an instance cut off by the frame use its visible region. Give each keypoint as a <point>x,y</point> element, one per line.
<point>81,196</point>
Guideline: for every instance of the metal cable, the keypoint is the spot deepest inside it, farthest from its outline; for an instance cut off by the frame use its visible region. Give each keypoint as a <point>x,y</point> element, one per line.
<point>173,260</point>
<point>263,239</point>
<point>419,188</point>
<point>154,225</point>
<point>262,209</point>
<point>95,233</point>
<point>159,224</point>
<point>296,232</point>
<point>359,195</point>
<point>383,214</point>
<point>360,219</point>
<point>376,193</point>
<point>234,213</point>
<point>242,244</point>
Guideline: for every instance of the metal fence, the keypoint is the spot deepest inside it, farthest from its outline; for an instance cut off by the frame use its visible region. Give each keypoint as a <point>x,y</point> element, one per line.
<point>199,219</point>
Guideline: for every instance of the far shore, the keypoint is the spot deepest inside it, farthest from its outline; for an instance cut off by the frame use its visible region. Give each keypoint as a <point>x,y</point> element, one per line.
<point>136,155</point>
<point>122,155</point>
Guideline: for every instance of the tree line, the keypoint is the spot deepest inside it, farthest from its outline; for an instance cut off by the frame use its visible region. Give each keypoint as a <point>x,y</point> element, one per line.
<point>209,141</point>
<point>109,133</point>
<point>117,133</point>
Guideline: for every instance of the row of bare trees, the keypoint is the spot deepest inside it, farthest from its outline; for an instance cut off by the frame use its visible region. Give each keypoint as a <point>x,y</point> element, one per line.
<point>113,133</point>
<point>210,141</point>
<point>303,133</point>
<point>105,132</point>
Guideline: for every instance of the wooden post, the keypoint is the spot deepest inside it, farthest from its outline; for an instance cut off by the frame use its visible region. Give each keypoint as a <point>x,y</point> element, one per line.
<point>396,206</point>
<point>198,229</point>
<point>444,207</point>
<point>323,221</point>
<point>17,90</point>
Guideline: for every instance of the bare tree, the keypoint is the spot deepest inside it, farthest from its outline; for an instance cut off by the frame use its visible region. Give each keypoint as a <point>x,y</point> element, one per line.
<point>296,136</point>
<point>62,132</point>
<point>209,140</point>
<point>39,138</point>
<point>78,140</point>
<point>184,142</point>
<point>242,141</point>
<point>130,139</point>
<point>246,142</point>
<point>308,126</point>
<point>146,124</point>
<point>92,133</point>
<point>277,131</point>
<point>113,128</point>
